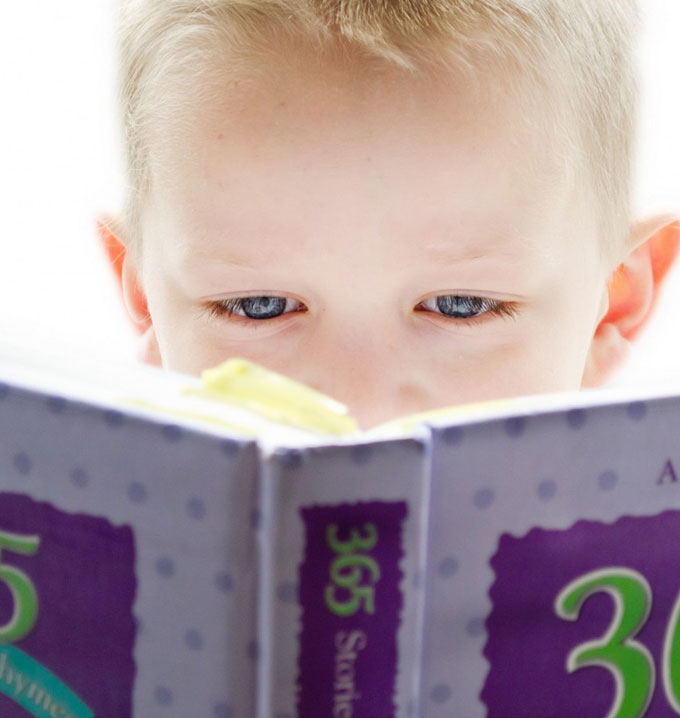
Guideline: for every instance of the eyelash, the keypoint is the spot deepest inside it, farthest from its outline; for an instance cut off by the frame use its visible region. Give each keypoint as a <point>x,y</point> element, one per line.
<point>230,307</point>
<point>492,308</point>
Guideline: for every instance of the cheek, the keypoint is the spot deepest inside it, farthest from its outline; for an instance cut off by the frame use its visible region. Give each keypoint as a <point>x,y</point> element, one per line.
<point>189,346</point>
<point>512,369</point>
<point>543,355</point>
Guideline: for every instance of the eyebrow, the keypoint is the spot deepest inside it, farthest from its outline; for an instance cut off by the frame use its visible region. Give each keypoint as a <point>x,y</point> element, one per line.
<point>498,242</point>
<point>449,253</point>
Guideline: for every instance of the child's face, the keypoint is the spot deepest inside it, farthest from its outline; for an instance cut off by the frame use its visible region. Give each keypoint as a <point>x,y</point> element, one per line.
<point>415,250</point>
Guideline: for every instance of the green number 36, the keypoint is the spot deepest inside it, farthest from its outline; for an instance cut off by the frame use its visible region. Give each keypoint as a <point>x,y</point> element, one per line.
<point>24,595</point>
<point>630,663</point>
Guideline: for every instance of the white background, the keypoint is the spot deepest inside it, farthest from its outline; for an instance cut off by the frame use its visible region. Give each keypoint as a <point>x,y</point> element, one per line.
<point>60,164</point>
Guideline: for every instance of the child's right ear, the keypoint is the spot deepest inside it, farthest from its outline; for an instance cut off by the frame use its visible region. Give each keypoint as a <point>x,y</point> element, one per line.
<point>111,238</point>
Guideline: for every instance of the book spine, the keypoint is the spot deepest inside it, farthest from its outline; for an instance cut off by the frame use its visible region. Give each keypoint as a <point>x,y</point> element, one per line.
<point>342,553</point>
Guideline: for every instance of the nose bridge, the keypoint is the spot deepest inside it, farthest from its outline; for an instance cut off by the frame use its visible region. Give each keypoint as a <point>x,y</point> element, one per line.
<point>367,368</point>
<point>349,353</point>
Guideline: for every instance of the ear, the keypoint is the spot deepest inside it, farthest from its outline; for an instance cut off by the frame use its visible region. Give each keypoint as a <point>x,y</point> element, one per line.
<point>111,238</point>
<point>631,295</point>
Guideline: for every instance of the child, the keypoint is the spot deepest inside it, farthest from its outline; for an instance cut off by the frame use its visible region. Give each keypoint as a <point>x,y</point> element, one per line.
<point>405,204</point>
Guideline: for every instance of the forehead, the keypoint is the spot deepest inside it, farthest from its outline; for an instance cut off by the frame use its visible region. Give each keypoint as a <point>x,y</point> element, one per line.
<point>309,142</point>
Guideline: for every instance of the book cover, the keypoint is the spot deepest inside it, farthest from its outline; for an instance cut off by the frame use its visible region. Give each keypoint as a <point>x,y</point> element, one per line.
<point>516,560</point>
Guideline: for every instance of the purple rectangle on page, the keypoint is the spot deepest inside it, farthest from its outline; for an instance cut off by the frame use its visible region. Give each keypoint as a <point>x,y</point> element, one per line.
<point>351,603</point>
<point>585,621</point>
<point>67,632</point>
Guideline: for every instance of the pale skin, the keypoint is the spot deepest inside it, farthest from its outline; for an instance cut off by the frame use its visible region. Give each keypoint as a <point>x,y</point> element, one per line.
<point>414,251</point>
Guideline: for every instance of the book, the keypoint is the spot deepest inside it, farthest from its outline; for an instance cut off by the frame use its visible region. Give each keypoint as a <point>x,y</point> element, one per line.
<point>178,547</point>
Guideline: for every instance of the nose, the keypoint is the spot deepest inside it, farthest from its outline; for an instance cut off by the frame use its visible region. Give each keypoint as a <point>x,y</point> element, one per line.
<point>367,372</point>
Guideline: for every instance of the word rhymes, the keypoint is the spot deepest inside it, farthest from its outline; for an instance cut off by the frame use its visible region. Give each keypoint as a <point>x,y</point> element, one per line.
<point>628,660</point>
<point>351,565</point>
<point>347,647</point>
<point>33,691</point>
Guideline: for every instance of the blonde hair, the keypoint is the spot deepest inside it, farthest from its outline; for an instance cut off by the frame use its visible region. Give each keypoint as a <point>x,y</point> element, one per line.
<point>586,47</point>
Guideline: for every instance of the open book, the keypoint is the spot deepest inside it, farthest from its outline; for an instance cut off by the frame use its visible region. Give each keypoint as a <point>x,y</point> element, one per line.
<point>234,548</point>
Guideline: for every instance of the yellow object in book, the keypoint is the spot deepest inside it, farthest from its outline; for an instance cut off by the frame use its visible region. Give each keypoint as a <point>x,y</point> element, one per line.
<point>274,397</point>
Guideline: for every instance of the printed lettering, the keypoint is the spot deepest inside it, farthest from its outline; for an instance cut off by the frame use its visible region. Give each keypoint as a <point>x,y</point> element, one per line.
<point>29,692</point>
<point>629,662</point>
<point>348,646</point>
<point>20,683</point>
<point>349,569</point>
<point>668,475</point>
<point>25,611</point>
<point>356,542</point>
<point>671,658</point>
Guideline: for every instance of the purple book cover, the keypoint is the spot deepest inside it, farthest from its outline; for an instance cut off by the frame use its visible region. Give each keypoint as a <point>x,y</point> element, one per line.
<point>515,565</point>
<point>351,606</point>
<point>67,586</point>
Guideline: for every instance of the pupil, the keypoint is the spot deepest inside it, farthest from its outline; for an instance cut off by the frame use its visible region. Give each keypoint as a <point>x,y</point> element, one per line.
<point>460,307</point>
<point>264,307</point>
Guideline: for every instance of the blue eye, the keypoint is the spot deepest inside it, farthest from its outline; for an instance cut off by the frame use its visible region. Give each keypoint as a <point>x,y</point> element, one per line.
<point>263,307</point>
<point>258,308</point>
<point>460,307</point>
<point>464,307</point>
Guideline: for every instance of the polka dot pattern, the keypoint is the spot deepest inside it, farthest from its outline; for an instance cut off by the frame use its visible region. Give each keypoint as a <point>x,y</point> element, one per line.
<point>287,592</point>
<point>165,567</point>
<point>290,460</point>
<point>114,419</point>
<point>230,448</point>
<point>224,582</point>
<point>196,508</point>
<point>223,710</point>
<point>547,490</point>
<point>256,519</point>
<point>475,627</point>
<point>193,639</point>
<point>515,427</point>
<point>483,498</point>
<point>637,410</point>
<point>607,481</point>
<point>453,435</point>
<point>56,404</point>
<point>441,693</point>
<point>576,418</point>
<point>448,567</point>
<point>172,433</point>
<point>137,492</point>
<point>80,477</point>
<point>163,696</point>
<point>362,454</point>
<point>253,650</point>
<point>22,464</point>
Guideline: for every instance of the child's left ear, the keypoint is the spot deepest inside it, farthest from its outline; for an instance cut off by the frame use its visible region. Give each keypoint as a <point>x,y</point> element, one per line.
<point>632,293</point>
<point>110,234</point>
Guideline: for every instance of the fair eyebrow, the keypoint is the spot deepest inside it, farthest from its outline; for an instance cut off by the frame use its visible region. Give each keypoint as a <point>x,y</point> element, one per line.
<point>450,253</point>
<point>447,248</point>
<point>446,254</point>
